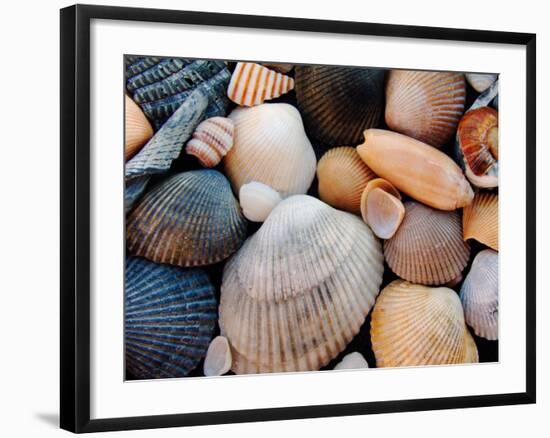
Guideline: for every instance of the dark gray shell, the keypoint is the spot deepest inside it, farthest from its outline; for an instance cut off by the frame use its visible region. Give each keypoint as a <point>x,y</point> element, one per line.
<point>170,316</point>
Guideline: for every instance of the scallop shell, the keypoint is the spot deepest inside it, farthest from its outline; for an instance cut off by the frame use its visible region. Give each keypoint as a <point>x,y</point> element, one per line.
<point>170,315</point>
<point>415,325</point>
<point>257,200</point>
<point>300,288</point>
<point>481,81</point>
<point>252,84</point>
<point>428,247</point>
<point>417,169</point>
<point>218,357</point>
<point>211,140</point>
<point>190,219</point>
<point>384,212</point>
<point>352,361</point>
<point>480,219</point>
<point>270,147</point>
<point>425,105</point>
<point>477,137</point>
<point>137,129</point>
<point>342,177</point>
<point>339,103</point>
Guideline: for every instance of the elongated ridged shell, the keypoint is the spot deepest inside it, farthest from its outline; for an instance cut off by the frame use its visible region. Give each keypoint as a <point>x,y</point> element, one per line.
<point>257,200</point>
<point>211,140</point>
<point>352,361</point>
<point>480,219</point>
<point>170,315</point>
<point>481,81</point>
<point>417,169</point>
<point>428,247</point>
<point>416,325</point>
<point>137,129</point>
<point>342,177</point>
<point>252,84</point>
<point>190,219</point>
<point>339,103</point>
<point>300,288</point>
<point>479,295</point>
<point>425,105</point>
<point>270,147</point>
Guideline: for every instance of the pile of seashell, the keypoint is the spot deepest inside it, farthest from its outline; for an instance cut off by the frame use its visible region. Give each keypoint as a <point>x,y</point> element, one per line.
<point>297,218</point>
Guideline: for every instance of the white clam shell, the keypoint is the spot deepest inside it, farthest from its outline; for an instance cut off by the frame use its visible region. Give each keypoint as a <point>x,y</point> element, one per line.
<point>481,81</point>
<point>218,357</point>
<point>257,200</point>
<point>352,361</point>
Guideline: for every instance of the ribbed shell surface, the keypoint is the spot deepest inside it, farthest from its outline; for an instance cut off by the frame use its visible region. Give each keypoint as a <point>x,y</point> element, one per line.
<point>137,129</point>
<point>339,103</point>
<point>170,315</point>
<point>415,325</point>
<point>480,219</point>
<point>428,247</point>
<point>425,105</point>
<point>211,140</point>
<point>300,288</point>
<point>190,219</point>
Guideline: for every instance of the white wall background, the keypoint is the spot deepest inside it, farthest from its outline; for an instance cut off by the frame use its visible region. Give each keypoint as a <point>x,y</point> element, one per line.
<point>29,242</point>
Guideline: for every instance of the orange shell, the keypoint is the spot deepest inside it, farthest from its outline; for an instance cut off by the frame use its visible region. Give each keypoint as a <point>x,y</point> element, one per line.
<point>137,129</point>
<point>480,219</point>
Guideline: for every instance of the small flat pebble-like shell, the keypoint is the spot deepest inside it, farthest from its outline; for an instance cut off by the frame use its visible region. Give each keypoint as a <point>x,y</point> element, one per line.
<point>257,200</point>
<point>480,219</point>
<point>481,81</point>
<point>384,213</point>
<point>218,357</point>
<point>376,183</point>
<point>211,140</point>
<point>352,361</point>
<point>137,129</point>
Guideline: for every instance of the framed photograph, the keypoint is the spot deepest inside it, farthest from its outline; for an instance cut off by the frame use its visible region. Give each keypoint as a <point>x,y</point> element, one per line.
<point>268,218</point>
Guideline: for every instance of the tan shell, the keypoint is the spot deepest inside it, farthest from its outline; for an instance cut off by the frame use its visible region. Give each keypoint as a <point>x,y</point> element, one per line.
<point>137,129</point>
<point>425,105</point>
<point>481,81</point>
<point>218,357</point>
<point>342,177</point>
<point>417,169</point>
<point>428,247</point>
<point>384,213</point>
<point>211,140</point>
<point>270,147</point>
<point>415,325</point>
<point>252,84</point>
<point>480,219</point>
<point>300,288</point>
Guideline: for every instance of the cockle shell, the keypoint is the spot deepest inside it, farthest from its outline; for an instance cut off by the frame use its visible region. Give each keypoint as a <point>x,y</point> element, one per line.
<point>170,315</point>
<point>339,103</point>
<point>252,84</point>
<point>425,105</point>
<point>352,361</point>
<point>300,288</point>
<point>479,295</point>
<point>218,357</point>
<point>257,200</point>
<point>190,219</point>
<point>342,177</point>
<point>481,81</point>
<point>417,169</point>
<point>428,247</point>
<point>477,137</point>
<point>384,212</point>
<point>270,147</point>
<point>137,129</point>
<point>415,325</point>
<point>211,140</point>
<point>480,219</point>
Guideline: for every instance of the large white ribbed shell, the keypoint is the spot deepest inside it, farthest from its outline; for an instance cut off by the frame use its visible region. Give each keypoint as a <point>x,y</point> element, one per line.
<point>270,147</point>
<point>479,295</point>
<point>300,288</point>
<point>416,325</point>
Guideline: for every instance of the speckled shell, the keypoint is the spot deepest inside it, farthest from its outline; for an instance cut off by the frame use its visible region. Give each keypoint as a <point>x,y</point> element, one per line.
<point>342,176</point>
<point>170,315</point>
<point>257,200</point>
<point>425,105</point>
<point>270,147</point>
<point>300,288</point>
<point>428,247</point>
<point>339,103</point>
<point>252,84</point>
<point>480,81</point>
<point>480,219</point>
<point>479,295</point>
<point>190,219</point>
<point>137,129</point>
<point>211,140</point>
<point>415,325</point>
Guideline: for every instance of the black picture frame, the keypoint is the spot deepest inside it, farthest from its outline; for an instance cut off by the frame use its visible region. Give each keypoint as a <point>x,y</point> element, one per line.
<point>75,217</point>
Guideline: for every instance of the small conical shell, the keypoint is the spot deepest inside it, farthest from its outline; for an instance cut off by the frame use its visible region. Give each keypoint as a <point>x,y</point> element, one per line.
<point>480,219</point>
<point>257,200</point>
<point>270,147</point>
<point>415,325</point>
<point>352,361</point>
<point>218,357</point>
<point>211,140</point>
<point>300,288</point>
<point>137,129</point>
<point>417,169</point>
<point>190,219</point>
<point>479,295</point>
<point>252,84</point>
<point>481,81</point>
<point>425,105</point>
<point>384,213</point>
<point>342,177</point>
<point>428,247</point>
